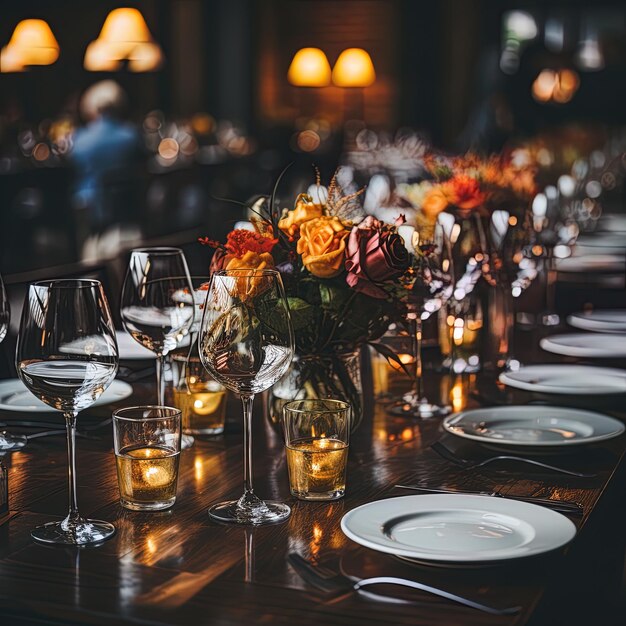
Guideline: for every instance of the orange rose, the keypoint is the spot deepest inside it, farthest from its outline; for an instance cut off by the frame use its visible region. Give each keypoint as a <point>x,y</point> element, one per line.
<point>322,245</point>
<point>465,192</point>
<point>304,211</point>
<point>435,201</point>
<point>249,285</point>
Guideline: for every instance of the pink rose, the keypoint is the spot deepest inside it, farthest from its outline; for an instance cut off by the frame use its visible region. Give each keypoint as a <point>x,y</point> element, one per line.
<point>374,256</point>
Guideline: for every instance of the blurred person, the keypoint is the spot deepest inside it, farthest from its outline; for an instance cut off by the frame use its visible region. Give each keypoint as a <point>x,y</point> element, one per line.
<point>106,154</point>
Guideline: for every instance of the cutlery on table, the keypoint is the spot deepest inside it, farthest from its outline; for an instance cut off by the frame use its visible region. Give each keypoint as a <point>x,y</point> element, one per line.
<point>445,452</point>
<point>335,583</point>
<point>562,506</point>
<point>45,433</point>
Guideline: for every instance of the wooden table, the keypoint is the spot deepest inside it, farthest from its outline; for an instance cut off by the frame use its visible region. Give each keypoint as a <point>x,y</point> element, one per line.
<point>178,567</point>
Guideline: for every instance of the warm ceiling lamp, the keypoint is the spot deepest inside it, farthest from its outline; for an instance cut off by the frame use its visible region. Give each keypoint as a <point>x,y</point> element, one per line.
<point>309,68</point>
<point>555,85</point>
<point>354,68</point>
<point>32,43</point>
<point>125,36</point>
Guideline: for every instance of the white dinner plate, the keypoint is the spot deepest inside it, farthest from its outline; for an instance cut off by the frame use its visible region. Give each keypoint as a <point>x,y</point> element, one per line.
<point>14,396</point>
<point>567,379</point>
<point>591,345</point>
<point>533,426</point>
<point>457,528</point>
<point>607,320</point>
<point>130,349</point>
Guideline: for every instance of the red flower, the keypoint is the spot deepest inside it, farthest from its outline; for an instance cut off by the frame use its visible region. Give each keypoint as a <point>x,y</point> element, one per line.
<point>240,241</point>
<point>465,192</point>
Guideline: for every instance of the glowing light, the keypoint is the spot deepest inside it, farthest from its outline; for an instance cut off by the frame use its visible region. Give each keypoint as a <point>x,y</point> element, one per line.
<point>555,86</point>
<point>567,185</point>
<point>308,141</point>
<point>124,28</point>
<point>168,148</point>
<point>512,220</point>
<point>309,68</point>
<point>354,68</point>
<point>32,43</point>
<point>41,152</point>
<point>145,57</point>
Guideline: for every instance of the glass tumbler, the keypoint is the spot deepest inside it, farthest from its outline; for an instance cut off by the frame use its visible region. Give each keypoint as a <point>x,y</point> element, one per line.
<point>317,436</point>
<point>147,451</point>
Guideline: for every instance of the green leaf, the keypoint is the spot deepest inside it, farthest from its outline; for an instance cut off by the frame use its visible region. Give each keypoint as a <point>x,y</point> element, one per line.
<point>302,313</point>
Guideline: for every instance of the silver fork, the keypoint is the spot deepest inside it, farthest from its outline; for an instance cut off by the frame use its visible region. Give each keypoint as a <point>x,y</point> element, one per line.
<point>339,585</point>
<point>445,452</point>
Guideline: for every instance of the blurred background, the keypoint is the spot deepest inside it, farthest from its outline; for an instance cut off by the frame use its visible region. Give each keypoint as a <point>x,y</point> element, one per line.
<point>142,123</point>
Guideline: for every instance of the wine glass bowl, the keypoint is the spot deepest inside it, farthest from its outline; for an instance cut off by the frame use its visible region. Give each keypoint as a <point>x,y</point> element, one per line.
<point>67,356</point>
<point>246,343</point>
<point>156,307</point>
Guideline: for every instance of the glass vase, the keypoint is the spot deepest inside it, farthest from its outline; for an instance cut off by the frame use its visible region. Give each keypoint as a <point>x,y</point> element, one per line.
<point>318,376</point>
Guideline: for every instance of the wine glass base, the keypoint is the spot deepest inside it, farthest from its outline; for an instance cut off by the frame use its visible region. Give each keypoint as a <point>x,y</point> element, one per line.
<point>267,512</point>
<point>423,409</point>
<point>84,533</point>
<point>9,442</point>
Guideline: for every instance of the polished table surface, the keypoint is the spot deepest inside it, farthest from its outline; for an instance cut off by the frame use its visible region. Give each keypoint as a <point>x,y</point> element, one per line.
<point>178,567</point>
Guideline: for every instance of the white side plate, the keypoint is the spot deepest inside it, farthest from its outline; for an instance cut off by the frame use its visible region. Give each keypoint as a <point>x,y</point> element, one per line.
<point>567,379</point>
<point>609,320</point>
<point>590,345</point>
<point>14,396</point>
<point>533,426</point>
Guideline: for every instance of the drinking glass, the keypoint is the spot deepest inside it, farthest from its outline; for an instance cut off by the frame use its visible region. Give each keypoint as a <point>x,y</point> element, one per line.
<point>317,436</point>
<point>67,356</point>
<point>8,441</point>
<point>246,343</point>
<point>157,306</point>
<point>427,291</point>
<point>147,452</point>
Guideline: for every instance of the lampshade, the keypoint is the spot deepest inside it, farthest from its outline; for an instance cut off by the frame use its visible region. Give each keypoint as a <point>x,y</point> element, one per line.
<point>123,29</point>
<point>354,68</point>
<point>309,68</point>
<point>145,57</point>
<point>10,60</point>
<point>33,43</point>
<point>99,58</point>
<point>124,36</point>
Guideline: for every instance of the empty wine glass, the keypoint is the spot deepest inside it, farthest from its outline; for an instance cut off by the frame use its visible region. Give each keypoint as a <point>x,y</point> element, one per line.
<point>8,441</point>
<point>157,309</point>
<point>67,356</point>
<point>427,290</point>
<point>246,342</point>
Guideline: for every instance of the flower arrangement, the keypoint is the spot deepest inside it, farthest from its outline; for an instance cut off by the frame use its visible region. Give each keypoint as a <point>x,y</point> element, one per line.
<point>471,183</point>
<point>345,274</point>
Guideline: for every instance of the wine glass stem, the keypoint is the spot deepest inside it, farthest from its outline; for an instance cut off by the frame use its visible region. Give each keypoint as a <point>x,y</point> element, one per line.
<point>247,401</point>
<point>70,423</point>
<point>160,367</point>
<point>415,331</point>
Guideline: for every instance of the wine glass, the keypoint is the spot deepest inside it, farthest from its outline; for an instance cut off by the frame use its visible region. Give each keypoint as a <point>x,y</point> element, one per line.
<point>67,356</point>
<point>427,290</point>
<point>156,308</point>
<point>8,441</point>
<point>246,342</point>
